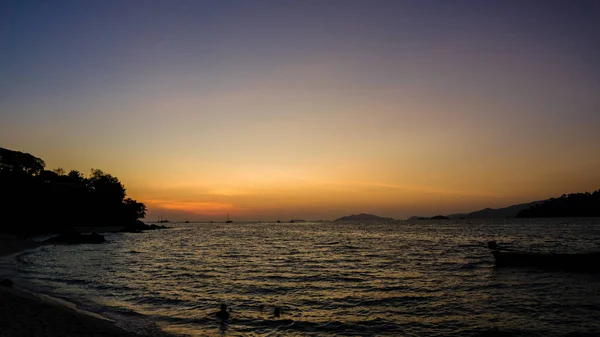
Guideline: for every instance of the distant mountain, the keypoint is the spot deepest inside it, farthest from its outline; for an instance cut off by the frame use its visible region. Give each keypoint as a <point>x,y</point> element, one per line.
<point>505,212</point>
<point>412,218</point>
<point>363,217</point>
<point>437,217</point>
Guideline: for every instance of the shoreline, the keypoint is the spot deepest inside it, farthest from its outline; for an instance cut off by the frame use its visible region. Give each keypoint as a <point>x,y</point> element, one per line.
<point>10,245</point>
<point>26,313</point>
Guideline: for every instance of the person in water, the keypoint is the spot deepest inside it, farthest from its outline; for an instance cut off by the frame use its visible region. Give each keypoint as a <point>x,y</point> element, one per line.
<point>223,314</point>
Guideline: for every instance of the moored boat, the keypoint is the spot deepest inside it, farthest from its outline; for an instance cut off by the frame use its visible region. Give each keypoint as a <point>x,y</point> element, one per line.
<point>555,261</point>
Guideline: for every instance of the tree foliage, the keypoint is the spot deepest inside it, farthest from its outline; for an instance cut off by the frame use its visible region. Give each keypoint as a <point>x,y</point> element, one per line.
<point>19,162</point>
<point>42,201</point>
<point>568,205</point>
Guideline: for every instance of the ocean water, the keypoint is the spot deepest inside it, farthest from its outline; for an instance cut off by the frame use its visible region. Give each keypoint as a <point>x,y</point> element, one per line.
<point>423,278</point>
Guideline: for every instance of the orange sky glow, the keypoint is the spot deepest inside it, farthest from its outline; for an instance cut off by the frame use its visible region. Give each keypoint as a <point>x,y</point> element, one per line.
<point>313,114</point>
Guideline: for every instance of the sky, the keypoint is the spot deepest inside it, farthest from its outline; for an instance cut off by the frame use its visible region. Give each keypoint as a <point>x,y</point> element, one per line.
<point>308,109</point>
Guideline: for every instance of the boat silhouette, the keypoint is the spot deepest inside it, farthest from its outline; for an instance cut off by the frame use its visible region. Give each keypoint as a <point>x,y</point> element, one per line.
<point>551,261</point>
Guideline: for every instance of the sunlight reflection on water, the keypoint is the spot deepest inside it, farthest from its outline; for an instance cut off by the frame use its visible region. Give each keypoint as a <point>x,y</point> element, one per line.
<point>421,278</point>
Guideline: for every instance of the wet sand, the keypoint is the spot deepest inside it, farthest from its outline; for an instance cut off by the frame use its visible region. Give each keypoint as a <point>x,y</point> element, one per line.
<point>25,314</point>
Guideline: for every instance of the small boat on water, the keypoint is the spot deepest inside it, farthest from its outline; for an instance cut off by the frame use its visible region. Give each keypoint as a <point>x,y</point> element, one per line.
<point>554,261</point>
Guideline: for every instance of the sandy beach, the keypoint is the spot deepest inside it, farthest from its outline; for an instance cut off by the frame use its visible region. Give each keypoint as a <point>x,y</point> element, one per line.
<point>25,314</point>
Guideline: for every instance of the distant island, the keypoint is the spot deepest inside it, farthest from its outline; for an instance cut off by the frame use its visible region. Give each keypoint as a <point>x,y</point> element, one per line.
<point>38,201</point>
<point>437,217</point>
<point>363,217</point>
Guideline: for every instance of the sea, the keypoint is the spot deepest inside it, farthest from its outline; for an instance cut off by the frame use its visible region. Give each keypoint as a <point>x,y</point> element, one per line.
<point>421,278</point>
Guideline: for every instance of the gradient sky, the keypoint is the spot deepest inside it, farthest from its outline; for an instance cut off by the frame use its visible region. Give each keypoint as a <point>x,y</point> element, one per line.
<point>308,109</point>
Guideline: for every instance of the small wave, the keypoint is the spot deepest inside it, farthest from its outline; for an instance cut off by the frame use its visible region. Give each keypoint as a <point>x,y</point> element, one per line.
<point>137,324</point>
<point>159,301</point>
<point>22,258</point>
<point>367,280</point>
<point>472,245</point>
<point>59,280</point>
<point>357,327</point>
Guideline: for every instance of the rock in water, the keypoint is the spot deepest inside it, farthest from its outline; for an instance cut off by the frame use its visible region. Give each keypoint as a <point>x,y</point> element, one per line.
<point>74,237</point>
<point>6,283</point>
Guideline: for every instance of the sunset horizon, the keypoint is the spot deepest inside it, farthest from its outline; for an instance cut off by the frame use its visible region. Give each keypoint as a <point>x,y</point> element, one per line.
<point>308,110</point>
<point>184,168</point>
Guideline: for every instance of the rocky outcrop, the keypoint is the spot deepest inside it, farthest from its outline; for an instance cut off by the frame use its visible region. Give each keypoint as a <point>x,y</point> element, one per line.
<point>6,283</point>
<point>139,226</point>
<point>74,237</point>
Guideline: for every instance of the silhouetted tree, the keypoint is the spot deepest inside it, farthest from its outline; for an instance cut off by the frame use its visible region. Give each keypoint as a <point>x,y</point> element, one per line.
<point>15,161</point>
<point>133,210</point>
<point>41,201</point>
<point>106,187</point>
<point>567,205</point>
<point>77,177</point>
<point>59,171</point>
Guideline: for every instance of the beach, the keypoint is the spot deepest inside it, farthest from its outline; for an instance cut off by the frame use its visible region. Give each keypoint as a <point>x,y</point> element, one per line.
<point>25,314</point>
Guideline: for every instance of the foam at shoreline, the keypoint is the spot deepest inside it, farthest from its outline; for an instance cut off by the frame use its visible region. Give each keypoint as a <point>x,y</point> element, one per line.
<point>26,312</point>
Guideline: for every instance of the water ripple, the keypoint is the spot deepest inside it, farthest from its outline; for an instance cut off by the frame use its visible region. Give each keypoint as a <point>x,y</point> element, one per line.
<point>388,279</point>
